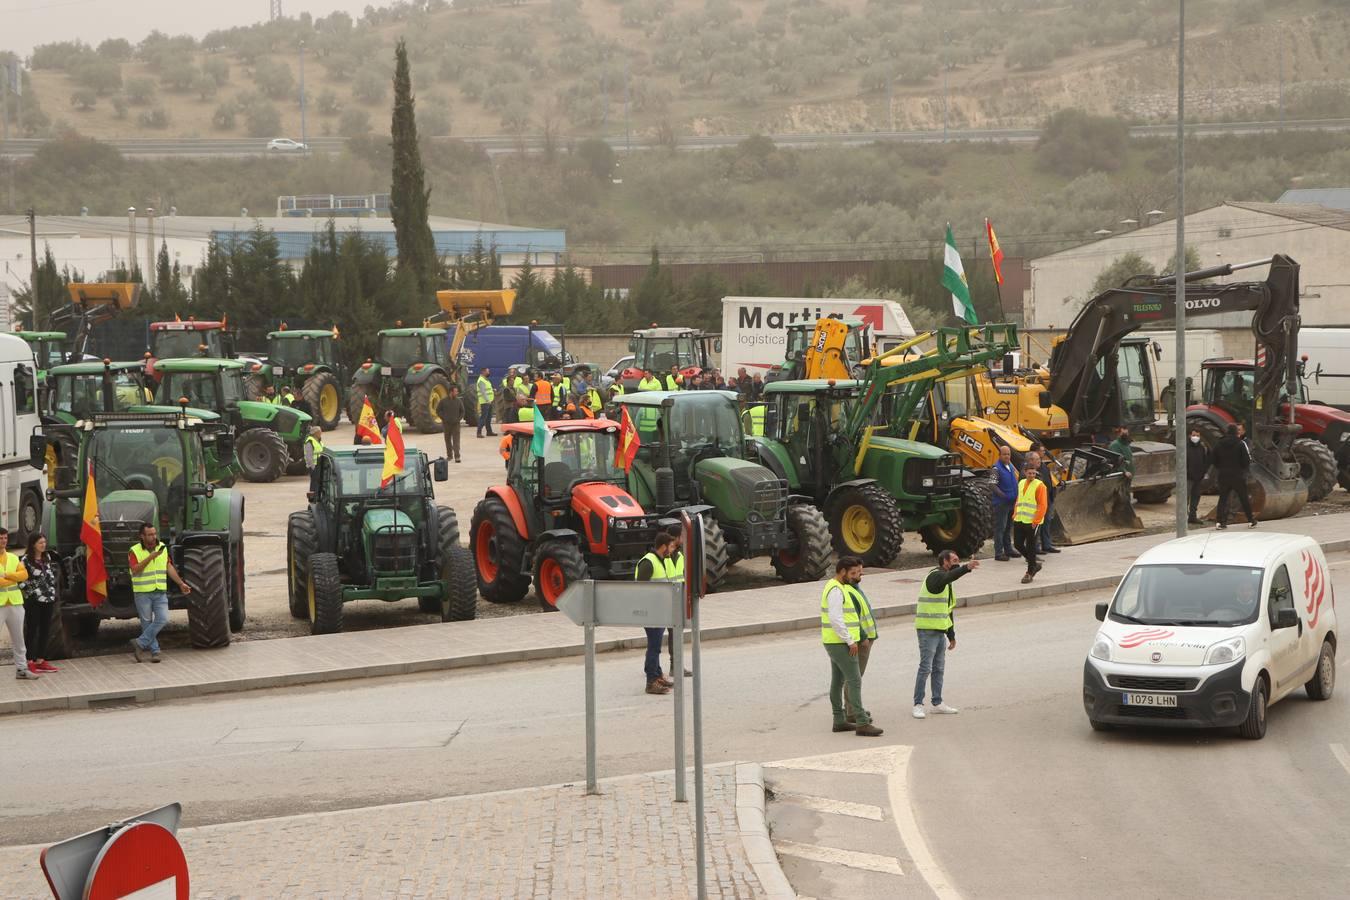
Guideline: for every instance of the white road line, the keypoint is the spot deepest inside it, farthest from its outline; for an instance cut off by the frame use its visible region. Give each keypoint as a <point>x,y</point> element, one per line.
<point>897,785</point>
<point>888,865</point>
<point>1342,756</point>
<point>874,761</point>
<point>829,806</point>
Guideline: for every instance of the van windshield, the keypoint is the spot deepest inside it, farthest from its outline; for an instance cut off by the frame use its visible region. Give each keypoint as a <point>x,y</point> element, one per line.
<point>1190,594</point>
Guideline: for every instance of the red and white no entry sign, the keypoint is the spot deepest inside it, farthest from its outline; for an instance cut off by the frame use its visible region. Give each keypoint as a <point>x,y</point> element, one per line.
<point>141,861</point>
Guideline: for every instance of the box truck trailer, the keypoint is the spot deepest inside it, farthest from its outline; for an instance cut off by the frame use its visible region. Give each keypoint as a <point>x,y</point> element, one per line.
<point>754,329</point>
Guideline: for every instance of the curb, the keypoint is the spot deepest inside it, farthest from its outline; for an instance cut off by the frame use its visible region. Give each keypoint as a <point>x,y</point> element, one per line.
<point>754,830</point>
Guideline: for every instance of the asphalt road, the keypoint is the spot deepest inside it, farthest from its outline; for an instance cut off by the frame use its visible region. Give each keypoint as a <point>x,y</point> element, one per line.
<point>502,144</point>
<point>1016,797</point>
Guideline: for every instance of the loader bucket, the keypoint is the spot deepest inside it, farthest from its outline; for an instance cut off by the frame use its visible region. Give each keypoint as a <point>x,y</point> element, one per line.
<point>1272,497</point>
<point>1093,509</point>
<point>1154,465</point>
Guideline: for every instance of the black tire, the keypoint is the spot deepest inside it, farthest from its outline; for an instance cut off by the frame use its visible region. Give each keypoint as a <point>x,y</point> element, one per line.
<point>86,627</point>
<point>356,398</point>
<point>30,517</point>
<point>461,587</point>
<point>972,526</point>
<point>422,401</point>
<point>253,387</point>
<point>62,640</point>
<point>809,556</point>
<point>869,501</point>
<point>1210,435</point>
<point>498,553</point>
<point>324,594</point>
<point>1254,728</point>
<point>557,566</point>
<point>1153,494</point>
<point>302,538</point>
<point>1101,726</point>
<point>208,605</point>
<point>312,391</point>
<point>1317,466</point>
<point>262,455</point>
<point>716,555</point>
<point>1323,683</point>
<point>238,611</point>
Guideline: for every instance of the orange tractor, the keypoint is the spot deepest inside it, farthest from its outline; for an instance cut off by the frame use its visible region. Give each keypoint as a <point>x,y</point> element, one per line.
<point>563,515</point>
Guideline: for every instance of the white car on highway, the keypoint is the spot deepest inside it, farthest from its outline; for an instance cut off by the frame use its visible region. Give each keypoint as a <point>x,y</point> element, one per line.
<point>1208,630</point>
<point>286,144</point>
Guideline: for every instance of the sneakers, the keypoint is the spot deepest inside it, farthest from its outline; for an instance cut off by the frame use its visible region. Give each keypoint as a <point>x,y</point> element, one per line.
<point>1001,559</point>
<point>1252,524</point>
<point>1051,550</point>
<point>137,650</point>
<point>1223,525</point>
<point>1194,521</point>
<point>918,711</point>
<point>868,730</point>
<point>943,709</point>
<point>25,674</point>
<point>655,686</point>
<point>843,726</point>
<point>44,666</point>
<point>154,656</point>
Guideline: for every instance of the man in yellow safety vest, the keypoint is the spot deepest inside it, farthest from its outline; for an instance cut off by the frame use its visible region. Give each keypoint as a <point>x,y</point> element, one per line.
<point>936,630</point>
<point>1029,514</point>
<point>846,623</point>
<point>674,381</point>
<point>649,381</point>
<point>485,397</point>
<point>150,573</point>
<point>656,565</point>
<point>12,574</point>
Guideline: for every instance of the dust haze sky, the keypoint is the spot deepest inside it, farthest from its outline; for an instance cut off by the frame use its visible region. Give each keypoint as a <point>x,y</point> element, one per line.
<point>25,23</point>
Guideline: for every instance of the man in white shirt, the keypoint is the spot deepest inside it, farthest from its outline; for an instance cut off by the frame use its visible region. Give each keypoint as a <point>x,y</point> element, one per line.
<point>846,628</point>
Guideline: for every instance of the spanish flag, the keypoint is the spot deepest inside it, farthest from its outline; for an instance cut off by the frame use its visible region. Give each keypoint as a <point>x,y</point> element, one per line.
<point>393,454</point>
<point>366,426</point>
<point>626,451</point>
<point>995,251</point>
<point>91,534</point>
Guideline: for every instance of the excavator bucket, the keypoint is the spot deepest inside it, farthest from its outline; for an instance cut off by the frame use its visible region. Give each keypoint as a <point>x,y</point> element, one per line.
<point>458,304</point>
<point>1093,509</point>
<point>1272,497</point>
<point>120,296</point>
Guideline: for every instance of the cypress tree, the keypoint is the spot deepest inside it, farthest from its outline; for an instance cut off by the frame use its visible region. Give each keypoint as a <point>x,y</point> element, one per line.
<point>409,196</point>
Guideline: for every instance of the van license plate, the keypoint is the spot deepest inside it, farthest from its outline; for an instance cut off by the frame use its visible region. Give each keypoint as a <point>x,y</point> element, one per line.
<point>1150,699</point>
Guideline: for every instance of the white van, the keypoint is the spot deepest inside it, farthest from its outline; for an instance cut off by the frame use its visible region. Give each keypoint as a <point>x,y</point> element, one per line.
<point>1208,630</point>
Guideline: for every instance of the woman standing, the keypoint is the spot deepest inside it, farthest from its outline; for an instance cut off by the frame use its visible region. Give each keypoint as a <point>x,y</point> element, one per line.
<point>39,602</point>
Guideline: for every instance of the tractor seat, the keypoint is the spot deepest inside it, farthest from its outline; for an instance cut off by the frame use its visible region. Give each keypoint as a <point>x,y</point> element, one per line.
<point>557,479</point>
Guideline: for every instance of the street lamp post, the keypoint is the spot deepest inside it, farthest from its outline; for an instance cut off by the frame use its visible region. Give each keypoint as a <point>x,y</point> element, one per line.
<point>1179,393</point>
<point>946,42</point>
<point>303,142</point>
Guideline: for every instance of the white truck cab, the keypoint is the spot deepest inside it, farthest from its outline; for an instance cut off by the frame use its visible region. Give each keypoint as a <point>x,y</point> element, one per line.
<point>1208,630</point>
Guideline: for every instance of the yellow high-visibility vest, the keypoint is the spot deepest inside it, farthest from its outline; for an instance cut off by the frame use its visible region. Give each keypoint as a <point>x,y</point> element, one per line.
<point>1025,509</point>
<point>154,578</point>
<point>857,614</point>
<point>934,611</point>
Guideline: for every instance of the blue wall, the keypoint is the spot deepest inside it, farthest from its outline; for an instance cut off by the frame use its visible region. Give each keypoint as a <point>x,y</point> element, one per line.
<point>296,244</point>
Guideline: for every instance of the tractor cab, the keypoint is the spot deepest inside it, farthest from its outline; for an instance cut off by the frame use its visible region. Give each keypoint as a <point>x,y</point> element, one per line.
<point>407,349</point>
<point>658,349</point>
<point>570,475</point>
<point>181,339</point>
<point>78,390</point>
<point>1230,385</point>
<point>824,348</point>
<point>378,528</point>
<point>303,362</point>
<point>409,375</point>
<point>48,347</point>
<point>290,351</point>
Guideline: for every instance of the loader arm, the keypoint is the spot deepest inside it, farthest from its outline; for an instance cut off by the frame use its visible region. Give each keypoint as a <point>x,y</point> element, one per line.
<point>89,305</point>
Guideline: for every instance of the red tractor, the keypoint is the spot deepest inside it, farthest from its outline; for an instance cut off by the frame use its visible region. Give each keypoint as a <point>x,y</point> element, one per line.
<point>657,349</point>
<point>561,517</point>
<point>178,339</point>
<point>1323,448</point>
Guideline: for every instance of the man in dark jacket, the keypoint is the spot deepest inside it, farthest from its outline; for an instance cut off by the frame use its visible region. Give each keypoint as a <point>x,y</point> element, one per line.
<point>1197,464</point>
<point>1232,460</point>
<point>1005,495</point>
<point>1048,479</point>
<point>451,410</point>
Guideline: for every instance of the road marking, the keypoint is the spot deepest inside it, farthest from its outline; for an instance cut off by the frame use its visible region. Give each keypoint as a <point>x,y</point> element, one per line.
<point>854,859</point>
<point>1342,756</point>
<point>897,786</point>
<point>829,806</point>
<point>877,761</point>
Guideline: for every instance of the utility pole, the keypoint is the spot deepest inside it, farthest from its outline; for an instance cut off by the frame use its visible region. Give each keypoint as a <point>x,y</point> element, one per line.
<point>148,273</point>
<point>1279,44</point>
<point>302,99</point>
<point>34,296</point>
<point>131,241</point>
<point>1179,394</point>
<point>627,125</point>
<point>946,42</point>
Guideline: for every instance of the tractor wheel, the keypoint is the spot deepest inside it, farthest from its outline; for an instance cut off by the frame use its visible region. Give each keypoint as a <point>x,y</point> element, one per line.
<point>30,516</point>
<point>324,594</point>
<point>461,587</point>
<point>356,398</point>
<point>1210,435</point>
<point>422,403</point>
<point>301,538</point>
<point>498,553</point>
<point>972,525</point>
<point>253,387</point>
<point>325,400</point>
<point>209,603</point>
<point>1154,494</point>
<point>866,522</point>
<point>716,556</point>
<point>1317,466</point>
<point>809,559</point>
<point>238,613</point>
<point>557,566</point>
<point>447,538</point>
<point>262,454</point>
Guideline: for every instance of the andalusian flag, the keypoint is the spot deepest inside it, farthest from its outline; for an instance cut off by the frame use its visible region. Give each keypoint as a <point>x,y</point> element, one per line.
<point>91,534</point>
<point>626,451</point>
<point>954,280</point>
<point>393,454</point>
<point>366,426</point>
<point>542,435</point>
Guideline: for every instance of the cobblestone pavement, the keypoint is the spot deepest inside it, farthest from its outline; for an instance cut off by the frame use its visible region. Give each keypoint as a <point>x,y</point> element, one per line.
<point>633,841</point>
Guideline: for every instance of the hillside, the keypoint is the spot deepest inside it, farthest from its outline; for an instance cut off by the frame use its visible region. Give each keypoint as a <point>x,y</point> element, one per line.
<point>673,67</point>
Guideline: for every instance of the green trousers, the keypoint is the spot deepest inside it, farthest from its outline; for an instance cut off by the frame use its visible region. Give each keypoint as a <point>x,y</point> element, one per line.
<point>846,677</point>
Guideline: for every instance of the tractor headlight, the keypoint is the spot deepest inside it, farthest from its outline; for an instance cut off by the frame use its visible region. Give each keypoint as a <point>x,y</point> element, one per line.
<point>927,482</point>
<point>1101,648</point>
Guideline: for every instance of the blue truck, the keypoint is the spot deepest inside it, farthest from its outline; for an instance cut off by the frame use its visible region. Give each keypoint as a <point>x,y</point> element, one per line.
<point>498,347</point>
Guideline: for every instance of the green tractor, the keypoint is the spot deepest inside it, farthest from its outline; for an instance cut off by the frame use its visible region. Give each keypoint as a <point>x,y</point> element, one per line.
<point>692,457</point>
<point>303,362</point>
<point>360,541</point>
<point>269,439</point>
<point>848,444</point>
<point>411,374</point>
<point>147,467</point>
<point>49,348</point>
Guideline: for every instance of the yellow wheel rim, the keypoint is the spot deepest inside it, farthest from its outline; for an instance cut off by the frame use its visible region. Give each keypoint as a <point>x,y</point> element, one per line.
<point>953,531</point>
<point>328,403</point>
<point>168,468</point>
<point>858,529</point>
<point>438,393</point>
<point>309,589</point>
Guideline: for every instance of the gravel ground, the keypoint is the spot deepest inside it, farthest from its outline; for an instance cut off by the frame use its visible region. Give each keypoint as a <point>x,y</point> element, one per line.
<point>268,506</point>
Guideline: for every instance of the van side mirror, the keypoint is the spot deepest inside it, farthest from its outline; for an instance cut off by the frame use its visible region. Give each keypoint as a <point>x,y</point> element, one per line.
<point>1286,617</point>
<point>440,469</point>
<point>1043,400</point>
<point>37,451</point>
<point>1101,611</point>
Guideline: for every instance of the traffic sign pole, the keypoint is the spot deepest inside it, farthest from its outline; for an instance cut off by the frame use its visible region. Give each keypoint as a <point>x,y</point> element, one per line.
<point>592,784</point>
<point>677,664</point>
<point>695,564</point>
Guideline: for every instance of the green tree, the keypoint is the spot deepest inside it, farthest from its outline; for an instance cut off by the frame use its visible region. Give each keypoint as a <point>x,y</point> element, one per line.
<point>170,295</point>
<point>1192,261</point>
<point>654,293</point>
<point>1121,269</point>
<point>263,120</point>
<point>140,91</point>
<point>1073,142</point>
<point>354,123</point>
<point>409,197</point>
<point>479,270</point>
<point>36,306</point>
